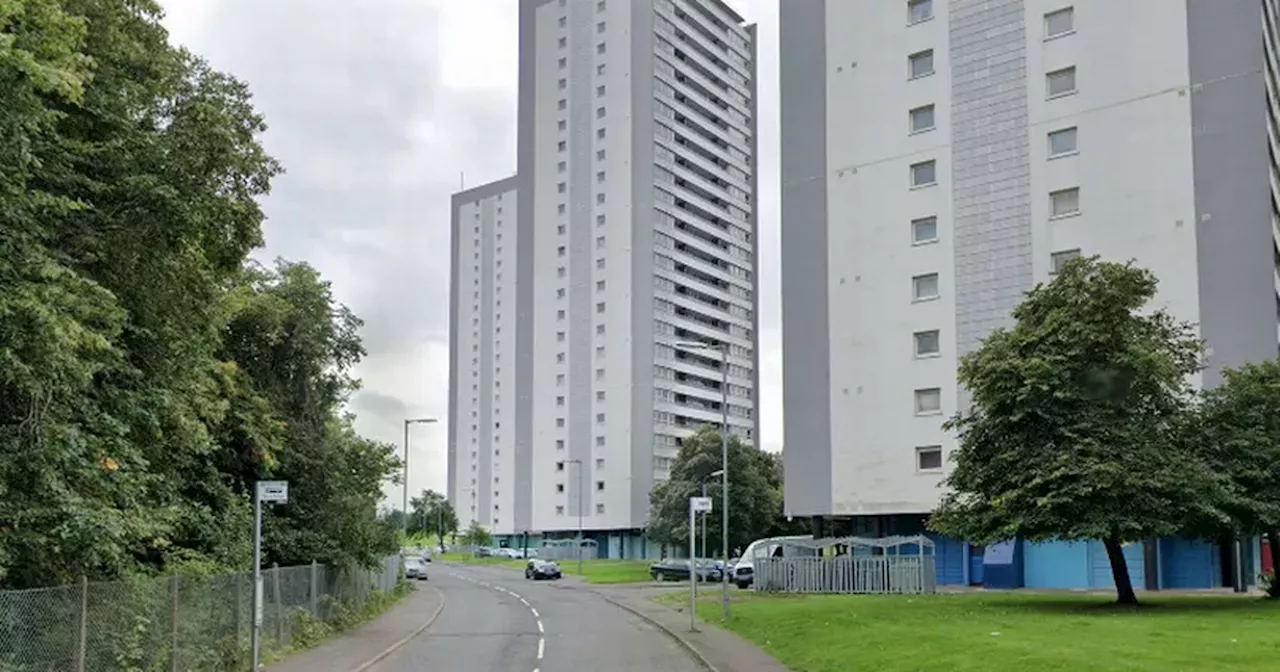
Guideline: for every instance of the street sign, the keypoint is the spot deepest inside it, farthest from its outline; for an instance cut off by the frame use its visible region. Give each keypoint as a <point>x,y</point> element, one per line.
<point>699,504</point>
<point>273,492</point>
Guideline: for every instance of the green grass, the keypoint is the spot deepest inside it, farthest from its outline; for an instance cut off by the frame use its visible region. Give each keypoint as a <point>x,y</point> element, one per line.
<point>593,571</point>
<point>1007,631</point>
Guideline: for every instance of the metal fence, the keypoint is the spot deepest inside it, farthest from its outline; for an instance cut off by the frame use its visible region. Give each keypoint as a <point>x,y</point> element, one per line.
<point>561,550</point>
<point>847,565</point>
<point>175,623</point>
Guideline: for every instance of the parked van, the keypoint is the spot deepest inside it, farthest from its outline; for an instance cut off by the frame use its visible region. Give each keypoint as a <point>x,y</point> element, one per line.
<point>743,573</point>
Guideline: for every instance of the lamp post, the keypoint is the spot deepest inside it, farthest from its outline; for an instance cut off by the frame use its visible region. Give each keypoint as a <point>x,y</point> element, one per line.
<point>724,457</point>
<point>579,543</point>
<point>405,504</point>
<point>709,476</point>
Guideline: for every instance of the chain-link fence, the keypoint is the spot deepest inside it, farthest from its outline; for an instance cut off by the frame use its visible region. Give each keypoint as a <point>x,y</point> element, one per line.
<point>176,623</point>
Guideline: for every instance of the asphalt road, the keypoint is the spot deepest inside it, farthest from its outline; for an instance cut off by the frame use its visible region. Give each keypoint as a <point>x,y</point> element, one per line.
<point>495,621</point>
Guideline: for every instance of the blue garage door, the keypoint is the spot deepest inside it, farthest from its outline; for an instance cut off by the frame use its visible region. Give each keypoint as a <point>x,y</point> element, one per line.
<point>976,554</point>
<point>950,558</point>
<point>1100,566</point>
<point>1189,563</point>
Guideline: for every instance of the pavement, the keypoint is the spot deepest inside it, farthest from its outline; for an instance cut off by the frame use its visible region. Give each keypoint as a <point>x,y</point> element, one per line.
<point>491,619</point>
<point>355,649</point>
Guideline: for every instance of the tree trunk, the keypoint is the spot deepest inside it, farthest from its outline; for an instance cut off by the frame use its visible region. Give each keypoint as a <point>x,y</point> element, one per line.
<point>1119,571</point>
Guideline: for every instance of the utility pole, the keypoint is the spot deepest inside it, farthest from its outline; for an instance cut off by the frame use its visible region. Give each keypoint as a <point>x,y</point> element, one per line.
<point>404,508</point>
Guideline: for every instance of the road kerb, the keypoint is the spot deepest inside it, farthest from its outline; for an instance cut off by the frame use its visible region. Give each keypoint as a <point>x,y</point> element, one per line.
<point>669,631</point>
<point>394,647</point>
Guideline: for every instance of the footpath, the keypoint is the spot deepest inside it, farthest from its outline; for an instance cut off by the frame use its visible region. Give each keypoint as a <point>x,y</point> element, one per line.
<point>358,649</point>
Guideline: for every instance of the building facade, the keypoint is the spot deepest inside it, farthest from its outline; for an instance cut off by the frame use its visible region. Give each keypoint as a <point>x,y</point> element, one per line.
<point>941,157</point>
<point>636,174</point>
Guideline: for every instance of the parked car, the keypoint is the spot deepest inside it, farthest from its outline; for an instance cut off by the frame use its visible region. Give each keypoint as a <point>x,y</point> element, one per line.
<point>678,570</point>
<point>541,569</point>
<point>744,569</point>
<point>415,567</point>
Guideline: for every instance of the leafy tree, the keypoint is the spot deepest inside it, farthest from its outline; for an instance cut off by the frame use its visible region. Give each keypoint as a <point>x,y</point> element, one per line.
<point>1074,426</point>
<point>755,496</point>
<point>1239,430</point>
<point>432,514</point>
<point>477,535</point>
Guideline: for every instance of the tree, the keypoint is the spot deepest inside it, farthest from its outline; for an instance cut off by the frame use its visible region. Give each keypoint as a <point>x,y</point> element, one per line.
<point>1074,428</point>
<point>477,536</point>
<point>433,514</point>
<point>1239,430</point>
<point>755,498</point>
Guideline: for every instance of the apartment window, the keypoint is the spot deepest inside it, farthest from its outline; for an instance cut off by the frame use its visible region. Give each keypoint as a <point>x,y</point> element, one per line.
<point>599,176</point>
<point>600,397</point>
<point>1059,259</point>
<point>560,209</point>
<point>600,48</point>
<point>559,380</point>
<point>600,509</point>
<point>1061,82</point>
<point>559,422</point>
<point>920,63</point>
<point>1062,142</point>
<point>599,199</point>
<point>600,307</point>
<point>561,146</point>
<point>564,42</point>
<point>563,83</point>
<point>924,174</point>
<point>928,400</point>
<point>600,69</point>
<point>599,352</point>
<point>929,458</point>
<point>560,251</point>
<point>927,343</point>
<point>560,336</point>
<point>1064,202</point>
<point>599,113</point>
<point>562,167</point>
<point>564,62</point>
<point>599,440</point>
<point>562,125</point>
<point>564,21</point>
<point>559,466</point>
<point>600,27</point>
<point>600,91</point>
<point>559,487</point>
<point>599,374</point>
<point>919,10</point>
<point>600,418</point>
<point>559,444</point>
<point>600,155</point>
<point>1060,22</point>
<point>559,510</point>
<point>600,134</point>
<point>599,486</point>
<point>600,330</point>
<point>560,227</point>
<point>560,272</point>
<point>924,287</point>
<point>599,220</point>
<point>599,285</point>
<point>924,230</point>
<point>560,358</point>
<point>600,462</point>
<point>560,400</point>
<point>922,119</point>
<point>600,242</point>
<point>599,263</point>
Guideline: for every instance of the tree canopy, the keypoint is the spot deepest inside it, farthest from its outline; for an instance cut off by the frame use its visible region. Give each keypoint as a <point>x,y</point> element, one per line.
<point>755,493</point>
<point>149,374</point>
<point>1076,428</point>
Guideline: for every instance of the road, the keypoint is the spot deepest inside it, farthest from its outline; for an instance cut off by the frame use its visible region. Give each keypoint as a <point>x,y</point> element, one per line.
<point>496,621</point>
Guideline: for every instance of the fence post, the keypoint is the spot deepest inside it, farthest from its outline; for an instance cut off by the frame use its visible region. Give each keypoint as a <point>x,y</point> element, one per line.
<point>84,624</point>
<point>275,589</point>
<point>174,645</point>
<point>315,589</point>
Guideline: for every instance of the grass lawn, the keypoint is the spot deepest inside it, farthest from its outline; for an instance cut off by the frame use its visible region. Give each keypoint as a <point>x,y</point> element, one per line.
<point>593,571</point>
<point>1007,631</point>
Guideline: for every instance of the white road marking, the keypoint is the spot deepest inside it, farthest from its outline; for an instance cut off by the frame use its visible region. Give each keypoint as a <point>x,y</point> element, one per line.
<point>535,611</point>
<point>541,630</point>
<point>541,644</point>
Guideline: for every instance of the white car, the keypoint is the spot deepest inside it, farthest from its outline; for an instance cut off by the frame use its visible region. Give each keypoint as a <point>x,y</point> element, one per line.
<point>415,567</point>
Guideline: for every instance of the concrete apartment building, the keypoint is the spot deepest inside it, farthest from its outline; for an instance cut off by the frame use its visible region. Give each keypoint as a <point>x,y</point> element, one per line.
<point>635,229</point>
<point>940,158</point>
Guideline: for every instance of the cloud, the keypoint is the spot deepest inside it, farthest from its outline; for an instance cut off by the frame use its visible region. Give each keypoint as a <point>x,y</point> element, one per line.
<point>380,110</point>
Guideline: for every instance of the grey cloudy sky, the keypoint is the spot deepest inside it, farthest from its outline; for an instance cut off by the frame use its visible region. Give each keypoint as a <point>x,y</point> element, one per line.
<point>377,108</point>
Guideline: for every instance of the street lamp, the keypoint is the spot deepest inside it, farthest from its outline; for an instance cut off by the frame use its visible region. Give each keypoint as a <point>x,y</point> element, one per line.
<point>579,543</point>
<point>405,505</point>
<point>724,457</point>
<point>709,476</point>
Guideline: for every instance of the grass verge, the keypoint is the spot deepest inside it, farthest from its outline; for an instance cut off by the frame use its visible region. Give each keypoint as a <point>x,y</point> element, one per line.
<point>1006,631</point>
<point>593,571</point>
<point>309,632</point>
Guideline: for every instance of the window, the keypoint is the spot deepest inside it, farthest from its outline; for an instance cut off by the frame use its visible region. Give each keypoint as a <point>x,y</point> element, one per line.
<point>600,48</point>
<point>560,252</point>
<point>599,113</point>
<point>1060,22</point>
<point>1062,142</point>
<point>564,42</point>
<point>559,444</point>
<point>1064,202</point>
<point>929,458</point>
<point>919,10</point>
<point>564,62</point>
<point>562,84</point>
<point>600,134</point>
<point>600,154</point>
<point>599,486</point>
<point>924,174</point>
<point>600,462</point>
<point>560,210</point>
<point>600,397</point>
<point>561,146</point>
<point>600,418</point>
<point>562,125</point>
<point>927,343</point>
<point>1061,82</point>
<point>559,422</point>
<point>600,220</point>
<point>600,69</point>
<point>561,167</point>
<point>924,230</point>
<point>600,27</point>
<point>559,510</point>
<point>599,199</point>
<point>560,399</point>
<point>559,466</point>
<point>920,63</point>
<point>924,287</point>
<point>560,227</point>
<point>600,176</point>
<point>922,119</point>
<point>600,242</point>
<point>1058,259</point>
<point>600,6</point>
<point>600,509</point>
<point>559,487</point>
<point>599,440</point>
<point>600,307</point>
<point>560,336</point>
<point>600,91</point>
<point>600,285</point>
<point>928,400</point>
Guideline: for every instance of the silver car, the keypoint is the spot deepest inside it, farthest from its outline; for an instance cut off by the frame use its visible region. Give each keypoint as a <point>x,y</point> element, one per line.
<point>415,568</point>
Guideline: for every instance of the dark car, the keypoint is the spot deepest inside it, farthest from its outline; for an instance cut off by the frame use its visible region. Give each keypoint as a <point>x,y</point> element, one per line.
<point>537,569</point>
<point>678,570</point>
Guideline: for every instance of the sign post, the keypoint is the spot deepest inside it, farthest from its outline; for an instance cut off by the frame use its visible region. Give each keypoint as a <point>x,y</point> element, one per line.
<point>269,492</point>
<point>696,505</point>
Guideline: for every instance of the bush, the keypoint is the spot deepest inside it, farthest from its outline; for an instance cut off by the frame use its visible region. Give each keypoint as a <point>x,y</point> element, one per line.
<point>1269,583</point>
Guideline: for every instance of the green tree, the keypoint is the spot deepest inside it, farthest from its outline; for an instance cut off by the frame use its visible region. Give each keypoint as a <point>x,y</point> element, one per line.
<point>432,515</point>
<point>1239,430</point>
<point>477,535</point>
<point>1073,431</point>
<point>755,496</point>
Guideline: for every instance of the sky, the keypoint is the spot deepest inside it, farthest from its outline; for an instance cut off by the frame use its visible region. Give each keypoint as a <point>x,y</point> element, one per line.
<point>379,111</point>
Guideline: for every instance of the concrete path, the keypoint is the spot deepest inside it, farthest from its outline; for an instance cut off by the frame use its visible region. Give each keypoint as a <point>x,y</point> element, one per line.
<point>355,650</point>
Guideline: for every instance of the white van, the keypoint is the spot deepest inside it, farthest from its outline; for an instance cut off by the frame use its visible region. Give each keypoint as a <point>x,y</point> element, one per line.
<point>743,572</point>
